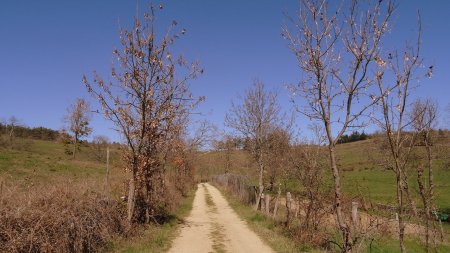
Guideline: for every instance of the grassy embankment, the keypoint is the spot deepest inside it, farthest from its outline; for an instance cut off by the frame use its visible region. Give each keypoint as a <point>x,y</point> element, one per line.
<point>36,164</point>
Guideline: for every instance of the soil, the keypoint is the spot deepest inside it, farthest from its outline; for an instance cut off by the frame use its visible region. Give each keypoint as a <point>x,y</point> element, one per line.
<point>213,226</point>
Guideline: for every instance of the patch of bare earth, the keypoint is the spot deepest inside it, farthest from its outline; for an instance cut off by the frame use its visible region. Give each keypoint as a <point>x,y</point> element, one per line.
<point>213,226</point>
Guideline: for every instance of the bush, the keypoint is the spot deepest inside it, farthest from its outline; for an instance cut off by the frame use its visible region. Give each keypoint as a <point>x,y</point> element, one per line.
<point>58,219</point>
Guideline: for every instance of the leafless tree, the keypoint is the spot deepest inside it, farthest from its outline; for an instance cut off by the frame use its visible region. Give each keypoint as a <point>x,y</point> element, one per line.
<point>423,117</point>
<point>226,146</point>
<point>149,101</point>
<point>309,161</point>
<point>185,155</point>
<point>12,123</point>
<point>77,118</point>
<point>255,116</point>
<point>279,144</point>
<point>337,49</point>
<point>395,123</point>
<point>99,145</point>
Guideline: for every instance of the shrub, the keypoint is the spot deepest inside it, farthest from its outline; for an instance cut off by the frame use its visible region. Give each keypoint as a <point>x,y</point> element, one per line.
<point>58,219</point>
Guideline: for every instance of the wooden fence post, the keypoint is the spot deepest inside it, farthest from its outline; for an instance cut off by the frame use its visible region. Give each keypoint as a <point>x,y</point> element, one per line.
<point>276,203</point>
<point>107,171</point>
<point>288,207</point>
<point>261,202</point>
<point>441,231</point>
<point>1,192</point>
<point>267,202</point>
<point>355,218</point>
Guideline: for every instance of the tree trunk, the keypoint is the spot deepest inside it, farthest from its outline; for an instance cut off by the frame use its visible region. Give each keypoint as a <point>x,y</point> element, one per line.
<point>338,202</point>
<point>430,174</point>
<point>401,225</point>
<point>131,197</point>
<point>260,180</point>
<point>425,205</point>
<point>430,183</point>
<point>74,145</point>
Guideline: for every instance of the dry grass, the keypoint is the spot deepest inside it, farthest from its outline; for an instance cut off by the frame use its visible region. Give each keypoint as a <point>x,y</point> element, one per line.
<point>58,218</point>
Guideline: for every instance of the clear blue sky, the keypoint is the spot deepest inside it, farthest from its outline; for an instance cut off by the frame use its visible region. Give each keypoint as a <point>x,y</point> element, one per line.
<point>46,46</point>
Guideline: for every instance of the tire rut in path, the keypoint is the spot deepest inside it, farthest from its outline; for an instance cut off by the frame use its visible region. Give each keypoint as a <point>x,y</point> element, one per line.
<point>213,226</point>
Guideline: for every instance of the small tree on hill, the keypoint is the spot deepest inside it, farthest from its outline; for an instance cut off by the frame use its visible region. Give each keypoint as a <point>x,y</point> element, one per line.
<point>424,118</point>
<point>226,146</point>
<point>13,122</point>
<point>77,118</point>
<point>394,105</point>
<point>99,146</point>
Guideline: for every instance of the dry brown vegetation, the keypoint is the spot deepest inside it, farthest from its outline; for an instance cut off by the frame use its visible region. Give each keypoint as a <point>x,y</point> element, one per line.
<point>58,218</point>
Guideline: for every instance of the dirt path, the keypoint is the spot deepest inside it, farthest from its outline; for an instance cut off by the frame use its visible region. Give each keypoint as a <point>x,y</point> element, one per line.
<point>212,226</point>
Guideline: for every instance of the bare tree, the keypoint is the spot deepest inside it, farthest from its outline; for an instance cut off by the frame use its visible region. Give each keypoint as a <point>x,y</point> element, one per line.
<point>185,154</point>
<point>254,118</point>
<point>277,159</point>
<point>226,147</point>
<point>99,145</point>
<point>336,50</point>
<point>12,123</point>
<point>308,162</point>
<point>395,123</point>
<point>77,118</point>
<point>148,99</point>
<point>423,117</point>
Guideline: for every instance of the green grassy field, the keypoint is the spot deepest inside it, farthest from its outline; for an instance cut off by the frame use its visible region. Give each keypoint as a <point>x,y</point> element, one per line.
<point>46,160</point>
<point>364,176</point>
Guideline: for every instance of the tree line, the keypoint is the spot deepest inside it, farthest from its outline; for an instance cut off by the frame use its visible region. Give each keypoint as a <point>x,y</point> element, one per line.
<point>354,136</point>
<point>13,128</point>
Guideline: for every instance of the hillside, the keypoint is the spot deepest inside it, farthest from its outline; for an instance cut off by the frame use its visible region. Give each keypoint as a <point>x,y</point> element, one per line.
<point>48,195</point>
<point>363,172</point>
<point>45,162</point>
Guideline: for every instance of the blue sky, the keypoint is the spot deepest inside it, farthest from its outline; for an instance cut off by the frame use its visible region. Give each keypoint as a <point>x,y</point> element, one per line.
<point>46,46</point>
